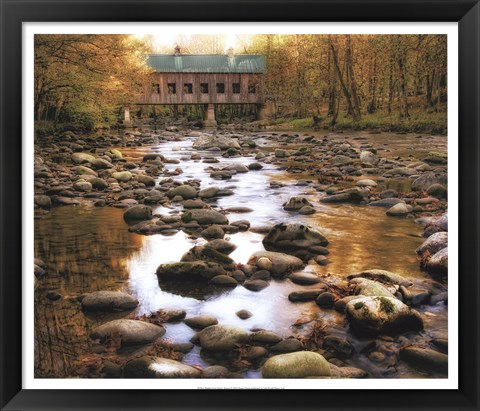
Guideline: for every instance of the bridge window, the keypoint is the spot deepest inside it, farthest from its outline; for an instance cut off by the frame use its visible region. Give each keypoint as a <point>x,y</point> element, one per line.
<point>172,88</point>
<point>156,88</point>
<point>220,88</point>
<point>236,88</point>
<point>252,88</point>
<point>204,88</point>
<point>187,88</point>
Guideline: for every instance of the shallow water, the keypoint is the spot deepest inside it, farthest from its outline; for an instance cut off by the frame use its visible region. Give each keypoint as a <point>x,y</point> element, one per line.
<point>88,249</point>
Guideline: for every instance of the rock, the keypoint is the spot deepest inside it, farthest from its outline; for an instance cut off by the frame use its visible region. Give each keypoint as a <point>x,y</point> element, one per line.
<point>215,371</point>
<point>437,191</point>
<point>254,353</point>
<point>341,304</point>
<point>144,179</point>
<point>296,365</point>
<point>98,183</point>
<point>208,254</point>
<point>255,285</point>
<point>185,191</point>
<point>208,192</point>
<point>156,367</point>
<point>282,264</point>
<point>325,300</point>
<point>399,210</point>
<point>367,157</point>
<point>243,314</point>
<point>382,315</point>
<point>339,345</point>
<point>352,195</point>
<point>255,166</point>
<point>425,358</point>
<point>43,201</point>
<point>153,156</point>
<point>108,301</point>
<point>171,315</point>
<point>138,212</point>
<point>200,322</point>
<point>434,243</point>
<point>130,332</point>
<point>122,176</point>
<point>266,337</point>
<point>222,338</point>
<point>428,179</point>
<point>281,153</point>
<point>264,263</point>
<point>80,158</point>
<point>204,217</point>
<point>290,238</point>
<point>347,372</point>
<point>307,210</point>
<point>363,286</point>
<point>239,168</point>
<point>307,295</point>
<point>388,194</point>
<point>53,295</point>
<point>288,345</point>
<point>83,186</point>
<point>189,271</point>
<point>366,183</point>
<point>112,370</point>
<point>222,246</point>
<point>438,263</point>
<point>304,278</point>
<point>214,231</point>
<point>341,160</point>
<point>383,276</point>
<point>261,275</point>
<point>100,164</point>
<point>386,202</point>
<point>79,170</point>
<point>223,281</point>
<point>296,203</point>
<point>414,296</point>
<point>189,204</point>
<point>206,141</point>
<point>114,154</point>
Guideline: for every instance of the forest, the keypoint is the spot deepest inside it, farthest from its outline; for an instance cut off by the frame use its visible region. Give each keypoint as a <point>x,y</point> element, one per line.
<point>395,82</point>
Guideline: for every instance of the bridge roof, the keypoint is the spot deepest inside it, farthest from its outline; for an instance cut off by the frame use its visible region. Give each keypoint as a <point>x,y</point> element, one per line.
<point>207,63</point>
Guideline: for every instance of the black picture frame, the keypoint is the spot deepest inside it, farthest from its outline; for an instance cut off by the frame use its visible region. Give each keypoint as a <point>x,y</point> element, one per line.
<point>14,12</point>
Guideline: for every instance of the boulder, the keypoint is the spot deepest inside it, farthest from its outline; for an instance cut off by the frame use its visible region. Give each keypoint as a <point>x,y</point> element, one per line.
<point>290,238</point>
<point>352,195</point>
<point>366,182</point>
<point>282,264</point>
<point>122,176</point>
<point>300,364</point>
<point>100,164</point>
<point>438,263</point>
<point>366,287</point>
<point>156,367</point>
<point>399,210</point>
<point>367,157</point>
<point>200,322</point>
<point>185,191</point>
<point>296,203</point>
<point>108,301</point>
<point>383,276</point>
<point>80,158</point>
<point>43,201</point>
<point>144,179</point>
<point>204,217</point>
<point>425,358</point>
<point>304,278</point>
<point>382,315</point>
<point>341,160</point>
<point>222,338</point>
<point>189,271</point>
<point>206,141</point>
<point>130,332</point>
<point>434,243</point>
<point>428,179</point>
<point>437,191</point>
<point>83,186</point>
<point>386,202</point>
<point>138,212</point>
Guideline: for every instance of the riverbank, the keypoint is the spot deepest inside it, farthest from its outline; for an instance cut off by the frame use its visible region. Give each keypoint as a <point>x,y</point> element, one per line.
<point>418,122</point>
<point>210,205</point>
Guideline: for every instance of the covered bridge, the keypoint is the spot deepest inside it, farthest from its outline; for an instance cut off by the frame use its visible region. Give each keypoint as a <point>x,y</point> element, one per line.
<point>208,79</point>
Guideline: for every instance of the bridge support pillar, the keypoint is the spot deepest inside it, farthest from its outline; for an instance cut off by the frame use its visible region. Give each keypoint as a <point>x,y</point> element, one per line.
<point>126,115</point>
<point>209,121</point>
<point>261,112</point>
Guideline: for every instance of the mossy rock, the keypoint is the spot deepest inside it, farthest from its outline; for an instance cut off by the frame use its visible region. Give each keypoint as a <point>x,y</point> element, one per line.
<point>301,364</point>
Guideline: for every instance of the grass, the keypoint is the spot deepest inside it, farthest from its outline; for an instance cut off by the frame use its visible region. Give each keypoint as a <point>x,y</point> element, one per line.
<point>418,122</point>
